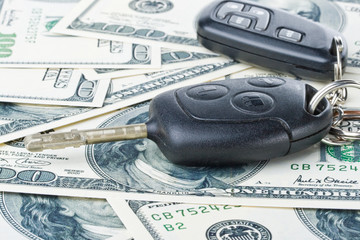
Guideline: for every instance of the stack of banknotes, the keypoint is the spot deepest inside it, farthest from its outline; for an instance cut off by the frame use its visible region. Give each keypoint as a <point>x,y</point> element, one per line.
<point>84,64</point>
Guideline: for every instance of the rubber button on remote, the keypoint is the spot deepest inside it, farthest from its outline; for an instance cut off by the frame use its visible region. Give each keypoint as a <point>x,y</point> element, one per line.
<point>241,22</point>
<point>207,92</point>
<point>227,8</point>
<point>254,102</point>
<point>266,82</point>
<point>263,18</point>
<point>290,35</point>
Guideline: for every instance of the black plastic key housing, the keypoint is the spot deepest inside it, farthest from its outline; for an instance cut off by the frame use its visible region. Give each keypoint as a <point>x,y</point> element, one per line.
<point>236,121</point>
<point>271,38</point>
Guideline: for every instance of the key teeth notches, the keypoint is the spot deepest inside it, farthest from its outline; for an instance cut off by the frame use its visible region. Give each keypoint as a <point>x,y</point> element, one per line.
<point>40,142</point>
<point>33,143</point>
<point>75,138</point>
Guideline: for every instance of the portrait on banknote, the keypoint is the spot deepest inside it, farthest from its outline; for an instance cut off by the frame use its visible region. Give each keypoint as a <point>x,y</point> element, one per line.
<point>15,117</point>
<point>57,217</point>
<point>322,11</point>
<point>331,223</point>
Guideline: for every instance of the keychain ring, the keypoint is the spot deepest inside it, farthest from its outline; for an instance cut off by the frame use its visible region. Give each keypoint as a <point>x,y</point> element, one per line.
<point>346,135</point>
<point>315,100</point>
<point>342,137</point>
<point>338,66</point>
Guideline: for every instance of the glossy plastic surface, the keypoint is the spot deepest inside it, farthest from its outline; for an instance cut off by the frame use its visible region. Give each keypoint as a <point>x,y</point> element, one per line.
<point>236,121</point>
<point>271,38</point>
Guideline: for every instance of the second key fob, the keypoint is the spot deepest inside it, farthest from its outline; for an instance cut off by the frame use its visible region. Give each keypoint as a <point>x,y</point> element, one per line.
<point>270,38</point>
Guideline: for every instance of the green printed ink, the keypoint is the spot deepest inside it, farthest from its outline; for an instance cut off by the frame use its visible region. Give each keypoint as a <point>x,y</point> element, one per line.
<point>6,42</point>
<point>346,153</point>
<point>49,25</point>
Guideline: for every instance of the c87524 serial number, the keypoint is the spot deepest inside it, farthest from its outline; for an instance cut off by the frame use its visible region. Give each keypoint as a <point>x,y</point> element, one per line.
<point>324,167</point>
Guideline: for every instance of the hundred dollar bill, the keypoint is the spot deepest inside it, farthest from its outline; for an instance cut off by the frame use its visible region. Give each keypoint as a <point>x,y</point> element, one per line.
<point>170,59</point>
<point>166,23</point>
<point>52,86</point>
<point>135,20</point>
<point>164,220</point>
<point>319,177</point>
<point>40,217</point>
<point>19,120</point>
<point>352,13</point>
<point>341,15</point>
<point>26,41</point>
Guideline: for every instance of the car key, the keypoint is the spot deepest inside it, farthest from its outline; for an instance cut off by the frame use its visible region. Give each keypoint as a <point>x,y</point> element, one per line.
<point>218,123</point>
<point>270,38</point>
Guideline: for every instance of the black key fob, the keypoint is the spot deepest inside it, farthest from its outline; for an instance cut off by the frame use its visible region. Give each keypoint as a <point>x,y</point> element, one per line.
<point>270,38</point>
<point>218,123</point>
<point>236,121</point>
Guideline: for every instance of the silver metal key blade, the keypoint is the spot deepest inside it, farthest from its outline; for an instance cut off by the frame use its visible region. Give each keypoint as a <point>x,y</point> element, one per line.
<point>75,138</point>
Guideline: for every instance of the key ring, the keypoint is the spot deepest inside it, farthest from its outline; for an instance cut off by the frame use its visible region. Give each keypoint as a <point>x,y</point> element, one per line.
<point>341,137</point>
<point>339,96</point>
<point>339,47</point>
<point>347,135</point>
<point>330,88</point>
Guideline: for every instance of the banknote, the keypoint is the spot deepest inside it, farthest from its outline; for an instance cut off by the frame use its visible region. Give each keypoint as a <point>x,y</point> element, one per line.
<point>26,41</point>
<point>169,220</point>
<point>321,176</point>
<point>19,120</point>
<point>166,23</point>
<point>135,20</point>
<point>52,86</point>
<point>42,217</point>
<point>352,14</point>
<point>170,59</point>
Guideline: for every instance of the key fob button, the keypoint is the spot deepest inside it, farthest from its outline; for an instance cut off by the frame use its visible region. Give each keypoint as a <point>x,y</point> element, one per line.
<point>227,8</point>
<point>266,82</point>
<point>207,92</point>
<point>263,18</point>
<point>290,35</point>
<point>241,22</point>
<point>253,102</point>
